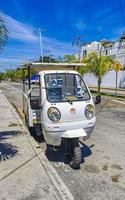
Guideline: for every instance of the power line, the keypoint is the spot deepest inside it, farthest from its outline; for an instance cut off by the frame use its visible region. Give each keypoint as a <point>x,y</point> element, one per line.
<point>44,40</point>
<point>26,33</point>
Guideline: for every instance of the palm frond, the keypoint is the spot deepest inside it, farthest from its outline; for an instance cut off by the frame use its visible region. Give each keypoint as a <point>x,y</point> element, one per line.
<point>96,65</point>
<point>3,34</point>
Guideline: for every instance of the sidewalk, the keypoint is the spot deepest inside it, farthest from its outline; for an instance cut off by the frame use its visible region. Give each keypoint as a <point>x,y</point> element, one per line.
<point>25,172</point>
<point>109,90</point>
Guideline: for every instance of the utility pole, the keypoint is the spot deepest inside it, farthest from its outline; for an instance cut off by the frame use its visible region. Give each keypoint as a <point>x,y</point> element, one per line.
<point>116,83</point>
<point>41,42</point>
<point>78,43</point>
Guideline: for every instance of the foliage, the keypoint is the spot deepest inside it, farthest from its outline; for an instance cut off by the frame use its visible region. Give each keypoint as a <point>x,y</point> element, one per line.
<point>67,58</point>
<point>70,58</point>
<point>123,68</point>
<point>15,74</point>
<point>122,38</point>
<point>3,34</point>
<point>12,75</point>
<point>48,59</point>
<point>96,65</point>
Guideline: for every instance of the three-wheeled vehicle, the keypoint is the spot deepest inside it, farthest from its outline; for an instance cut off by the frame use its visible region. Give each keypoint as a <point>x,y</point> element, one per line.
<point>60,107</point>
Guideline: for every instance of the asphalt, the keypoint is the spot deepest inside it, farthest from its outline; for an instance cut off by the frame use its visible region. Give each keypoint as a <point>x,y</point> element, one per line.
<point>102,173</point>
<point>25,172</point>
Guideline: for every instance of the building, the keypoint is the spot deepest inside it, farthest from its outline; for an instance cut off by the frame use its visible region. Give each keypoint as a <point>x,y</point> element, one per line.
<point>114,49</point>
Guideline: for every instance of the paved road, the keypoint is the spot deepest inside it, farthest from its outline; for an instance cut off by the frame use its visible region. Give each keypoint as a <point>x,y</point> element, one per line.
<point>102,173</point>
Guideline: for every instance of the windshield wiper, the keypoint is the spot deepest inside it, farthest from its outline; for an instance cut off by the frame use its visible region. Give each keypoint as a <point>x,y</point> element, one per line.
<point>51,89</point>
<point>68,100</point>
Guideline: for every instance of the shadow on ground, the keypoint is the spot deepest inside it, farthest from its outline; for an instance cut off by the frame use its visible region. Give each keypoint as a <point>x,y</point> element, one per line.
<point>58,155</point>
<point>7,151</point>
<point>8,134</point>
<point>55,154</point>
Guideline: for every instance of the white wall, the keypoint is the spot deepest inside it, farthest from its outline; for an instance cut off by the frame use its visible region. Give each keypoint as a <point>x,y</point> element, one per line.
<point>108,80</point>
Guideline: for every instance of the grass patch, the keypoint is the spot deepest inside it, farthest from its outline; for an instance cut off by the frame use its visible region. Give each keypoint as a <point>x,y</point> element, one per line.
<point>92,169</point>
<point>108,95</point>
<point>105,167</point>
<point>115,178</point>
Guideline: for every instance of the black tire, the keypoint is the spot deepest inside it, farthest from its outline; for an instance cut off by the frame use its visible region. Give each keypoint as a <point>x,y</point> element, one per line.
<point>98,99</point>
<point>77,158</point>
<point>32,131</point>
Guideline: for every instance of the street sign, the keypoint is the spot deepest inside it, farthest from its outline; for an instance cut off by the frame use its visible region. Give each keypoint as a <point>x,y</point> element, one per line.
<point>117,66</point>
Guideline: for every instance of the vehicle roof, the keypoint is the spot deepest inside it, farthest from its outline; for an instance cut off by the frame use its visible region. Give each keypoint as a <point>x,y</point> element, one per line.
<point>57,71</point>
<point>44,65</point>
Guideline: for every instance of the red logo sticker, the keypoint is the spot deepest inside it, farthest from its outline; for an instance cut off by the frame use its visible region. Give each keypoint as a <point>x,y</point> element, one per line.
<point>73,110</point>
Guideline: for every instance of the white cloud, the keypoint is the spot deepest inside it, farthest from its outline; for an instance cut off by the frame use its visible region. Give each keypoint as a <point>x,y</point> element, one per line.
<point>24,33</point>
<point>18,30</point>
<point>55,46</point>
<point>80,25</point>
<point>7,63</point>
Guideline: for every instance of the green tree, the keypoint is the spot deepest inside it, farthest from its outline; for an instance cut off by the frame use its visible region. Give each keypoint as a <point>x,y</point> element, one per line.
<point>9,74</point>
<point>96,65</point>
<point>3,34</point>
<point>70,58</point>
<point>48,59</point>
<point>122,38</point>
<point>123,68</point>
<point>1,76</point>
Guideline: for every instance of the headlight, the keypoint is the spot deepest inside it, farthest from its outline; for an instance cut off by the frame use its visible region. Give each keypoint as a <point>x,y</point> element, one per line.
<point>54,114</point>
<point>89,111</point>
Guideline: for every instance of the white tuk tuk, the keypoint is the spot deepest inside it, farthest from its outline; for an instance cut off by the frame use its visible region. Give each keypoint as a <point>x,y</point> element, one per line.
<point>60,107</point>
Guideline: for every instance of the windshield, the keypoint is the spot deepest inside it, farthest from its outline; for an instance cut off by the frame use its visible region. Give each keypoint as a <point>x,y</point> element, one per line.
<point>62,87</point>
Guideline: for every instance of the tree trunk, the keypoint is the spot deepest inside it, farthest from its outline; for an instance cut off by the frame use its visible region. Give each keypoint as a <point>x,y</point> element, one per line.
<point>99,85</point>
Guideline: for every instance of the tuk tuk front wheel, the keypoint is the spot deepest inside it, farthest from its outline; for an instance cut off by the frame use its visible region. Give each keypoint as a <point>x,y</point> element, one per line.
<point>76,157</point>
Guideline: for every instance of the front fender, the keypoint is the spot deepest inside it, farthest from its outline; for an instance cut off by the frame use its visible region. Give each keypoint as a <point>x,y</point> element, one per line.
<point>74,133</point>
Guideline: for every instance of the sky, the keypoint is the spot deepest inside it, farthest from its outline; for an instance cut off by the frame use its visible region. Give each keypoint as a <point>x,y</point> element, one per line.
<point>61,22</point>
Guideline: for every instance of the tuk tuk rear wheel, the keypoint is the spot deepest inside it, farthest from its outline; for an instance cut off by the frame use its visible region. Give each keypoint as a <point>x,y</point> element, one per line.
<point>76,157</point>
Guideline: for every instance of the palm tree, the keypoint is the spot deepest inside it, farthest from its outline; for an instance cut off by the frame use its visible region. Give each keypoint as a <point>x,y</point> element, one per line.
<point>3,34</point>
<point>97,65</point>
<point>70,58</point>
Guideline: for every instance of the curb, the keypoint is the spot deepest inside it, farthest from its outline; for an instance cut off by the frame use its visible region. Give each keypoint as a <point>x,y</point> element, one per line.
<point>120,102</point>
<point>59,185</point>
<point>57,182</point>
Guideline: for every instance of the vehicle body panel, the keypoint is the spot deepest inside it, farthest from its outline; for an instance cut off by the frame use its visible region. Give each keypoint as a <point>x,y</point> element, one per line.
<point>72,115</point>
